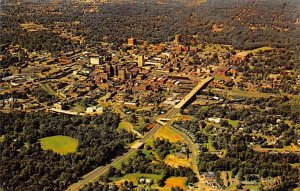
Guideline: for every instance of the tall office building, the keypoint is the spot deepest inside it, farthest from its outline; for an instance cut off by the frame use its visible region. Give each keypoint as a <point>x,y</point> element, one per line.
<point>115,68</point>
<point>122,74</point>
<point>178,38</point>
<point>110,70</point>
<point>131,41</point>
<point>141,61</point>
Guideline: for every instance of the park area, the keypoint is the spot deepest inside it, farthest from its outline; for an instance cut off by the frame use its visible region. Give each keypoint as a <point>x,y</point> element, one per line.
<point>59,144</point>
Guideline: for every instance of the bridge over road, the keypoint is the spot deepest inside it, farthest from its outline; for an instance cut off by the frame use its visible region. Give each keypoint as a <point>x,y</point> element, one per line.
<point>193,93</point>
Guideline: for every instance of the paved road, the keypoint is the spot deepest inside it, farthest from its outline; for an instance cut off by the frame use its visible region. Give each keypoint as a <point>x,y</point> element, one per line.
<point>91,176</point>
<point>192,147</point>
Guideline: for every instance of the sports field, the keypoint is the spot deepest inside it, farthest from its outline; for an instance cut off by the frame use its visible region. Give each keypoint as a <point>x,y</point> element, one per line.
<point>60,144</point>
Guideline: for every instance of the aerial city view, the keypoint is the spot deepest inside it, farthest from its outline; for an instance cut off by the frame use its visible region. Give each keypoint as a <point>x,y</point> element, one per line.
<point>149,95</point>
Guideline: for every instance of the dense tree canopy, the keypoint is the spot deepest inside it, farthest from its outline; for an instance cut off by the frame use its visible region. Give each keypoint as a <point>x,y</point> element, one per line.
<point>262,23</point>
<point>24,165</point>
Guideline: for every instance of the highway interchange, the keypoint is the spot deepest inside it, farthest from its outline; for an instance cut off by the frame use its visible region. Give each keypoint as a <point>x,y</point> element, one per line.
<point>93,175</point>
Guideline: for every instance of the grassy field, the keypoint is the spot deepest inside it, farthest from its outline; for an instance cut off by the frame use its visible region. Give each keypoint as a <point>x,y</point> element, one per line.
<point>240,93</point>
<point>176,181</point>
<point>296,165</point>
<point>134,177</point>
<point>60,144</point>
<point>245,53</point>
<point>1,138</point>
<point>126,126</point>
<point>150,141</point>
<point>167,133</point>
<point>129,127</point>
<point>292,148</point>
<point>234,123</point>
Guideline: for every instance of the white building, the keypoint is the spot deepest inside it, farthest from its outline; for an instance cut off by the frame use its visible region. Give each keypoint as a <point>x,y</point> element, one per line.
<point>94,110</point>
<point>94,60</point>
<point>214,119</point>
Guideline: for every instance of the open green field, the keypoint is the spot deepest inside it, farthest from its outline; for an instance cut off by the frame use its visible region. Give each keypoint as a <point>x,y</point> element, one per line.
<point>292,148</point>
<point>296,165</point>
<point>60,144</point>
<point>245,53</point>
<point>129,127</point>
<point>1,138</point>
<point>205,107</point>
<point>234,123</point>
<point>240,93</point>
<point>167,133</point>
<point>126,126</point>
<point>150,142</point>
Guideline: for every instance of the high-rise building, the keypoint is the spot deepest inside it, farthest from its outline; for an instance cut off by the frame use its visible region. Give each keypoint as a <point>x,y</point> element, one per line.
<point>122,74</point>
<point>115,68</point>
<point>178,38</point>
<point>141,61</point>
<point>110,70</point>
<point>131,41</point>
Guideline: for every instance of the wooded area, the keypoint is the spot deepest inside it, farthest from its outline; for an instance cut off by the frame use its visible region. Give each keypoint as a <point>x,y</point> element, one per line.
<point>25,166</point>
<point>244,24</point>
